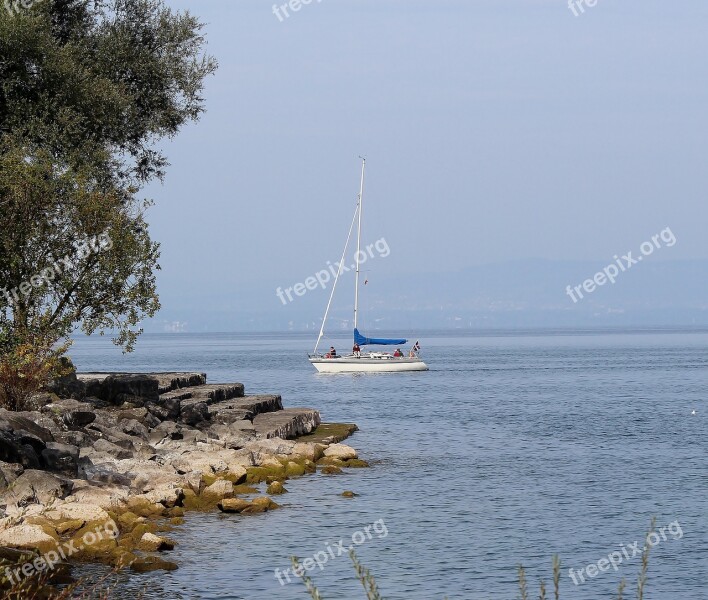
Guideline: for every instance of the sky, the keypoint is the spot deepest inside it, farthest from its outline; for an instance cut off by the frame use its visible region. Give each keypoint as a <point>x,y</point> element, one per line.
<point>495,131</point>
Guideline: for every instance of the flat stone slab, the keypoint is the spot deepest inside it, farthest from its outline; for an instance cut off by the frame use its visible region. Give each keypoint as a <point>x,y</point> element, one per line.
<point>113,387</point>
<point>228,411</point>
<point>286,424</point>
<point>176,395</point>
<point>329,433</point>
<point>211,394</point>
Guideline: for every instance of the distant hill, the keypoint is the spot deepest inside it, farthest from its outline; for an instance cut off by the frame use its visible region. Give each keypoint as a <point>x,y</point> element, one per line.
<point>526,293</point>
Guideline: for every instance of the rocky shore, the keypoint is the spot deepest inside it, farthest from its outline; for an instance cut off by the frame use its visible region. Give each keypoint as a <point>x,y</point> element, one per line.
<point>111,462</point>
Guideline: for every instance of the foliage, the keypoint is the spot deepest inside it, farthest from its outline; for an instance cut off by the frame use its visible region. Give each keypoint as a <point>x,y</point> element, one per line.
<point>26,367</point>
<point>87,89</point>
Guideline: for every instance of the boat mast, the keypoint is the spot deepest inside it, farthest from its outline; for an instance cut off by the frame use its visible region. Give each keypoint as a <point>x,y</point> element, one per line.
<point>358,244</point>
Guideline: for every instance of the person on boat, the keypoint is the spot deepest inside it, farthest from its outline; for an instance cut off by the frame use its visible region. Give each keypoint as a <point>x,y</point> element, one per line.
<point>356,350</point>
<point>332,352</point>
<point>398,353</point>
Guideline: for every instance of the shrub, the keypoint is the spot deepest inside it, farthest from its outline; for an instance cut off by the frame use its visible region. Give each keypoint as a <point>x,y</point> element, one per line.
<point>28,361</point>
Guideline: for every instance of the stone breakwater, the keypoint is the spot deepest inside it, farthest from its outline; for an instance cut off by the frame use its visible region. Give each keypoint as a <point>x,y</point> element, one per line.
<point>130,454</point>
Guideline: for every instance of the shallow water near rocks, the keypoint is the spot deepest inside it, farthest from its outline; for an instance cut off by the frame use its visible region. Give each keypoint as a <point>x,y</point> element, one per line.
<point>513,447</point>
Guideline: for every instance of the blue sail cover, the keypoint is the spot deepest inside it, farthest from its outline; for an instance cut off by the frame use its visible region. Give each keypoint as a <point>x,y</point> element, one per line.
<point>365,341</point>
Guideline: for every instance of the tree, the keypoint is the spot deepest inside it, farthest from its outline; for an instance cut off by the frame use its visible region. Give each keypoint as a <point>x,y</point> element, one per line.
<point>87,89</point>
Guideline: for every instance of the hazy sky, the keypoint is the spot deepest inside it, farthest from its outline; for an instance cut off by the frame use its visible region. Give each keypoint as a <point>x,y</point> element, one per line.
<point>494,130</point>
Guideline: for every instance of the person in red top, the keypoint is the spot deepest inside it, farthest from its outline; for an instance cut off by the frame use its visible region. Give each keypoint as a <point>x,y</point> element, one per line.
<point>398,353</point>
<point>356,350</point>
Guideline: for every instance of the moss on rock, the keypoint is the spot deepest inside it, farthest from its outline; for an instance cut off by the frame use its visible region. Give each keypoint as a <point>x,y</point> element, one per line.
<point>259,474</point>
<point>276,488</point>
<point>243,489</point>
<point>331,470</point>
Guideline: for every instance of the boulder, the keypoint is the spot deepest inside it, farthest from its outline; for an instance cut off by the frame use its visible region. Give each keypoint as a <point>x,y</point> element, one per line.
<point>14,450</point>
<point>25,422</point>
<point>310,451</point>
<point>75,438</point>
<point>260,505</point>
<point>194,413</point>
<point>61,457</point>
<point>231,437</point>
<point>109,431</point>
<point>287,423</point>
<point>9,472</point>
<point>167,430</point>
<point>127,413</point>
<point>28,536</point>
<point>107,497</point>
<point>38,487</point>
<point>133,428</point>
<point>117,387</point>
<point>218,490</point>
<point>103,445</point>
<point>165,409</point>
<point>68,385</point>
<point>233,505</point>
<point>78,418</point>
<point>144,564</point>
<point>276,488</point>
<point>168,494</point>
<point>194,436</point>
<point>341,452</point>
<point>154,543</point>
<point>331,470</point>
<point>102,473</point>
<point>274,445</point>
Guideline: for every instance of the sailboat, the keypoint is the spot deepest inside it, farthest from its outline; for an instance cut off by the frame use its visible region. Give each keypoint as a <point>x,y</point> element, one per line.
<point>360,361</point>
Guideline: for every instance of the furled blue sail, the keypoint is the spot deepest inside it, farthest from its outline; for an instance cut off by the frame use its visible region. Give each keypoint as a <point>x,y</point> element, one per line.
<point>365,341</point>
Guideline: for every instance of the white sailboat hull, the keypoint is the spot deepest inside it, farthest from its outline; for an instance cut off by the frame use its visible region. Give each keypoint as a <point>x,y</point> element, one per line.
<point>351,364</point>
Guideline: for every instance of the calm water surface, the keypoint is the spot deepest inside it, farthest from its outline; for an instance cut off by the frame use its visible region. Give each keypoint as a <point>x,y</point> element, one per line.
<point>512,447</point>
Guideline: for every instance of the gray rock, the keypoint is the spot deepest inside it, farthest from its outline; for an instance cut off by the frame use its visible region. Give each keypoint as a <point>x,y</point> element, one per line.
<point>68,386</point>
<point>9,472</point>
<point>13,450</point>
<point>76,419</point>
<point>34,487</point>
<point>61,457</point>
<point>134,428</point>
<point>75,438</point>
<point>227,415</point>
<point>287,423</point>
<point>115,436</point>
<point>194,413</point>
<point>165,409</point>
<point>25,422</point>
<point>165,430</point>
<point>192,436</point>
<point>117,388</point>
<point>232,437</point>
<point>103,473</point>
<point>103,445</point>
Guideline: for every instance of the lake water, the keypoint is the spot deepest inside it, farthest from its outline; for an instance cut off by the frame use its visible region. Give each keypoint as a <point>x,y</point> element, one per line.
<point>513,447</point>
